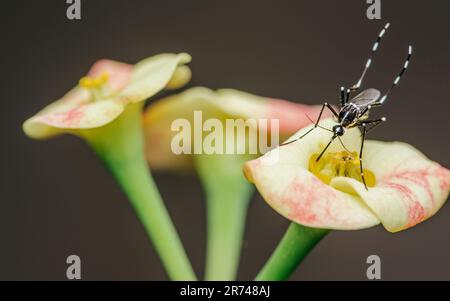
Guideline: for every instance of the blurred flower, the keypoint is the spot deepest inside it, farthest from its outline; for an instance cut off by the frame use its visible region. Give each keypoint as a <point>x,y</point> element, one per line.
<point>102,95</point>
<point>227,191</point>
<point>405,189</point>
<point>105,109</point>
<point>222,104</point>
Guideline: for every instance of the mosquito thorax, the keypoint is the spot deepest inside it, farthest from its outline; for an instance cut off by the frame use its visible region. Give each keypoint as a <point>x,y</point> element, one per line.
<point>338,130</point>
<point>348,114</point>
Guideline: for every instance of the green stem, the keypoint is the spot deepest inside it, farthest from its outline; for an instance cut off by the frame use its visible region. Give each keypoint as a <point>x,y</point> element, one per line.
<point>228,195</point>
<point>120,145</point>
<point>296,243</point>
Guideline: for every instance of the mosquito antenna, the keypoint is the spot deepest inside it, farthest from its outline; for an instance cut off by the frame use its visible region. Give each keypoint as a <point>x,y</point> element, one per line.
<point>307,116</point>
<point>289,142</point>
<point>323,128</point>
<point>399,76</point>
<point>369,61</point>
<point>342,143</point>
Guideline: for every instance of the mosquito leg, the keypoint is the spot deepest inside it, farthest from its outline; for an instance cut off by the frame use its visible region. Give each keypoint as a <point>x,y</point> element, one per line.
<point>367,126</point>
<point>309,131</point>
<point>344,97</point>
<point>360,155</point>
<point>356,86</point>
<point>323,128</point>
<point>315,125</point>
<point>331,109</point>
<point>397,79</point>
<point>371,124</point>
<point>329,143</point>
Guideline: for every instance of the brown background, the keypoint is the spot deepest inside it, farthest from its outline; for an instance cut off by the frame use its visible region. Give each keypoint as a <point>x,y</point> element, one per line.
<point>57,199</point>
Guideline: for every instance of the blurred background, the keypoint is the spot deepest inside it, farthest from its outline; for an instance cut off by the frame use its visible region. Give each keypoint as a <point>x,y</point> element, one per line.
<point>57,199</point>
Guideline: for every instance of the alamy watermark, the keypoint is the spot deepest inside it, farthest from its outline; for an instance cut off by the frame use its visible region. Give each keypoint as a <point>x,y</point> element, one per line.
<point>374,269</point>
<point>224,136</point>
<point>73,11</point>
<point>374,9</point>
<point>73,271</point>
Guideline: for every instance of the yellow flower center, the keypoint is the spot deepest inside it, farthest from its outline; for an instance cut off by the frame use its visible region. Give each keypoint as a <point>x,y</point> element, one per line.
<point>340,164</point>
<point>95,85</point>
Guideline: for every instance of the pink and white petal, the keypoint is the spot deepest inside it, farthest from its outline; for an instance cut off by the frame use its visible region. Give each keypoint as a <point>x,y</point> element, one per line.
<point>86,116</point>
<point>283,179</point>
<point>75,97</point>
<point>119,74</point>
<point>72,99</point>
<point>301,197</point>
<point>291,116</point>
<point>153,74</point>
<point>410,188</point>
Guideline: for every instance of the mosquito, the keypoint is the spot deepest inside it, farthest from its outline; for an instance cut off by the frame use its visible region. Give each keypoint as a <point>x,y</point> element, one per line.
<point>354,111</point>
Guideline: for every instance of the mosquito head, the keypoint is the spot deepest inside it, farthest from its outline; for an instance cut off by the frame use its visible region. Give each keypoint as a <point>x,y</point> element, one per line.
<point>338,130</point>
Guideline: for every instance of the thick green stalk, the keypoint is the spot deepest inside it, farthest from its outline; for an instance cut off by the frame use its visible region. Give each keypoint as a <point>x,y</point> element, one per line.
<point>227,195</point>
<point>296,243</point>
<point>120,145</point>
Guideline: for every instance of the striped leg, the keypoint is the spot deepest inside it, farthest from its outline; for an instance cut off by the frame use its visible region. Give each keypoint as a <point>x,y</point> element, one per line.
<point>397,79</point>
<point>356,86</point>
<point>360,156</point>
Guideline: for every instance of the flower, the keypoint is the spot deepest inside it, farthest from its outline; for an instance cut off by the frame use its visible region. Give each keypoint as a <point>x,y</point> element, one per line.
<point>221,104</point>
<point>406,187</point>
<point>102,95</point>
<point>105,109</point>
<point>227,192</point>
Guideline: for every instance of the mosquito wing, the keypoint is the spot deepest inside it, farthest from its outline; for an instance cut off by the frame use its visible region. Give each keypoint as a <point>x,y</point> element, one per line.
<point>366,97</point>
